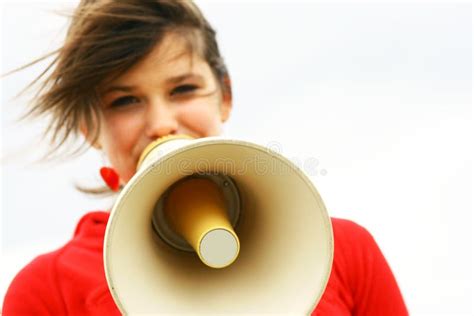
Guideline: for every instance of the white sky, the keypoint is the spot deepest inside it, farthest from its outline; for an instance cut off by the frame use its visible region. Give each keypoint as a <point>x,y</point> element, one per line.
<point>379,95</point>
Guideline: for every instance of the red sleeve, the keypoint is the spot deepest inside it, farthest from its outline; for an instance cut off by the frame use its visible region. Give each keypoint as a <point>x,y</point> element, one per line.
<point>33,291</point>
<point>372,283</point>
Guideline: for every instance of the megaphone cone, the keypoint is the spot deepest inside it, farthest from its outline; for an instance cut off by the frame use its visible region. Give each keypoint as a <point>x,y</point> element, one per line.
<point>196,196</point>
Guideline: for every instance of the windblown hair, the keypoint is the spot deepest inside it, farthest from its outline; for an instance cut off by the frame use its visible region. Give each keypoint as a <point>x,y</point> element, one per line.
<point>104,40</point>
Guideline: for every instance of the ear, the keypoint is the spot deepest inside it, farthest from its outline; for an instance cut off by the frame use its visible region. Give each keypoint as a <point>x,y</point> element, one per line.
<point>226,106</point>
<point>87,135</point>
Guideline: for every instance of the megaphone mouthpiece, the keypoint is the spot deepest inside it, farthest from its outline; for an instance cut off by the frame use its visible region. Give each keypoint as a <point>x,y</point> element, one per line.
<point>196,210</point>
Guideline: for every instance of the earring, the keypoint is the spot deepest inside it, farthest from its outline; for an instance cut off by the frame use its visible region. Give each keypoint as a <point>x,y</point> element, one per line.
<point>109,174</point>
<point>110,177</point>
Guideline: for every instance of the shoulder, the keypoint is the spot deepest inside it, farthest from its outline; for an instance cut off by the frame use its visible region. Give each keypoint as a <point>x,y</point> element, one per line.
<point>41,286</point>
<point>355,249</point>
<point>38,267</point>
<point>347,227</point>
<point>35,286</point>
<point>349,233</point>
<point>362,273</point>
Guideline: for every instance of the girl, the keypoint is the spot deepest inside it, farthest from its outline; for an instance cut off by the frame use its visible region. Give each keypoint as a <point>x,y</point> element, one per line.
<point>128,73</point>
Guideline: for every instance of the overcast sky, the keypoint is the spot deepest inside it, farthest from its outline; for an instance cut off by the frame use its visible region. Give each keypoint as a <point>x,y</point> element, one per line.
<point>375,98</point>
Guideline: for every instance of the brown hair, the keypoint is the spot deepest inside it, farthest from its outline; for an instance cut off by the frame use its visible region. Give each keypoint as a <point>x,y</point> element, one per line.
<point>106,38</point>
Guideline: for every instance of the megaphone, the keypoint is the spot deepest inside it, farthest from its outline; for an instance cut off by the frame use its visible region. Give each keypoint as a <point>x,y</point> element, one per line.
<point>217,226</point>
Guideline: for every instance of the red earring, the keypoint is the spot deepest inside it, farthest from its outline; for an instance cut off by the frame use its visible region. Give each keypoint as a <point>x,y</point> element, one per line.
<point>110,177</point>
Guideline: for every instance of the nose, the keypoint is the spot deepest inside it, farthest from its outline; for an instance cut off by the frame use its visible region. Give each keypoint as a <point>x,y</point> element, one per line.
<point>161,120</point>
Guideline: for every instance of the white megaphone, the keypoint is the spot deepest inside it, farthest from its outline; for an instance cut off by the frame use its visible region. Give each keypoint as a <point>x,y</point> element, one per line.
<point>217,226</point>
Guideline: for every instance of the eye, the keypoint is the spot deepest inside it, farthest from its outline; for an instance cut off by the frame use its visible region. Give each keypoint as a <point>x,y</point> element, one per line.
<point>123,101</point>
<point>183,89</point>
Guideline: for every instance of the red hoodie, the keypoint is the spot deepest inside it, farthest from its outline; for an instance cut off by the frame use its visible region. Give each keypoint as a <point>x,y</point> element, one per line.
<point>71,280</point>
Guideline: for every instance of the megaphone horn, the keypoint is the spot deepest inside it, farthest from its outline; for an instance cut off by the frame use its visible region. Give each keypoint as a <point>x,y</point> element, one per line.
<point>198,204</point>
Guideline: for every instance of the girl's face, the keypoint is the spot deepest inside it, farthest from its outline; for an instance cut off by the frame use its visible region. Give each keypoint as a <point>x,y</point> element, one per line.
<point>170,91</point>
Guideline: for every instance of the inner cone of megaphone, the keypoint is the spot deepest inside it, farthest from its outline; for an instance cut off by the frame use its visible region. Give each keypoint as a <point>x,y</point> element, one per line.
<point>195,208</point>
